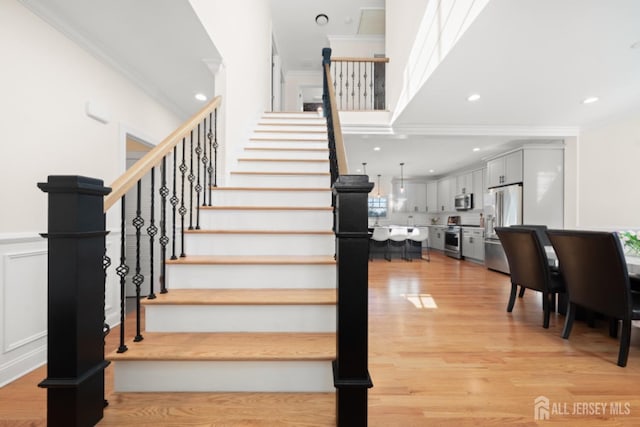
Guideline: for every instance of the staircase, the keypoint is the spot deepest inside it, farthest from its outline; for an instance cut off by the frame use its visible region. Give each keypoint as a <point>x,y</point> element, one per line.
<point>252,307</point>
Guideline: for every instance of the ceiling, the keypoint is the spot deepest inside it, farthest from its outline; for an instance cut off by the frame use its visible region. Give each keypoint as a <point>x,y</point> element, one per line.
<point>532,62</point>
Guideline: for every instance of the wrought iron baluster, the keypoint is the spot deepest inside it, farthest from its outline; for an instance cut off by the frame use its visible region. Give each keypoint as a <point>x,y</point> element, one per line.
<point>341,105</point>
<point>174,203</point>
<point>365,86</point>
<point>122,271</point>
<point>191,178</point>
<point>198,186</point>
<point>346,85</point>
<point>371,89</point>
<point>210,167</point>
<point>204,167</point>
<point>182,210</point>
<point>359,79</point>
<point>164,240</point>
<point>335,80</point>
<point>215,148</point>
<point>138,278</point>
<point>152,230</point>
<point>353,86</point>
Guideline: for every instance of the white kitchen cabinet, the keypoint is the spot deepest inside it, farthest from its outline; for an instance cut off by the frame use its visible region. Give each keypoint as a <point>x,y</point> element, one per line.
<point>478,189</point>
<point>432,197</point>
<point>505,169</point>
<point>473,243</point>
<point>464,183</point>
<point>444,194</point>
<point>436,237</point>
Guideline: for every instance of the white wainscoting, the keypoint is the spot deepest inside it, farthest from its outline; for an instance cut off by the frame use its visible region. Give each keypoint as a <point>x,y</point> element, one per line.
<point>23,301</point>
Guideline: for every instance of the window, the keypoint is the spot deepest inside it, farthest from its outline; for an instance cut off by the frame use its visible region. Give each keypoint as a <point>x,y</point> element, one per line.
<point>377,207</point>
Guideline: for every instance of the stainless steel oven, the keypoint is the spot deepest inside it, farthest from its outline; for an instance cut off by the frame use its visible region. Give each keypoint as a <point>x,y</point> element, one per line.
<point>453,241</point>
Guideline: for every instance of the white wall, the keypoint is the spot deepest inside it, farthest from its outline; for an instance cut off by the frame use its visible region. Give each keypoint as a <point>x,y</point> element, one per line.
<point>294,83</point>
<point>608,195</point>
<point>244,42</point>
<point>46,82</point>
<point>356,46</point>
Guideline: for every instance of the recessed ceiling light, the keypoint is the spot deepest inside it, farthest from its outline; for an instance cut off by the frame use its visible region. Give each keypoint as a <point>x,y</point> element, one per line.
<point>358,170</point>
<point>348,20</point>
<point>376,148</point>
<point>322,19</point>
<point>431,171</point>
<point>201,97</point>
<point>590,100</point>
<point>473,98</point>
<point>476,149</point>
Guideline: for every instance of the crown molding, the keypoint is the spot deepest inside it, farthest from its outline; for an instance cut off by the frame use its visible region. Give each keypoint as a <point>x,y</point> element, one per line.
<point>488,130</point>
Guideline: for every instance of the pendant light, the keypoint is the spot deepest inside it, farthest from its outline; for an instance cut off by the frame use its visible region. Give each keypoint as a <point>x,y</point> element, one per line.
<point>402,177</point>
<point>378,186</point>
<point>364,168</point>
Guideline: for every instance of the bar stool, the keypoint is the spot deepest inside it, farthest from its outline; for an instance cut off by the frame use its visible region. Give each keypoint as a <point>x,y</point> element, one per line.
<point>419,234</point>
<point>380,235</point>
<point>398,238</point>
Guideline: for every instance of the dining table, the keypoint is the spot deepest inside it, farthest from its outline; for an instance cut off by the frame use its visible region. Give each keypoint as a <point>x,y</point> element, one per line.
<point>633,262</point>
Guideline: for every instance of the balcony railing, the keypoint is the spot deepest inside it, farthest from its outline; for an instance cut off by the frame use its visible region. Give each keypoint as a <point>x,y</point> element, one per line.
<point>359,83</point>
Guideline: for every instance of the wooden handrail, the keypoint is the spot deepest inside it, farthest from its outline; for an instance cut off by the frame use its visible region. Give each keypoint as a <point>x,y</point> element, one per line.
<point>348,59</point>
<point>153,158</point>
<point>341,153</point>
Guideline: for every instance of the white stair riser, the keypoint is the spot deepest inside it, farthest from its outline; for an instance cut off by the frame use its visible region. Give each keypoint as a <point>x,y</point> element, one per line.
<point>286,154</point>
<point>269,125</point>
<point>260,244</point>
<point>223,376</point>
<point>281,220</point>
<point>263,181</point>
<point>287,136</point>
<point>270,198</point>
<point>286,144</point>
<point>311,117</point>
<point>240,318</point>
<point>282,166</point>
<point>252,276</point>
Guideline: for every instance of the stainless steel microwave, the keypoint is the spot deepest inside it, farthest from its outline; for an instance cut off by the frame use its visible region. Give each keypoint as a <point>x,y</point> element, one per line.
<point>464,202</point>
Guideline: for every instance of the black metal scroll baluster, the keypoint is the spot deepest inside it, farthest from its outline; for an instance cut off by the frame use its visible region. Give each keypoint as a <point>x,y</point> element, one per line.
<point>152,230</point>
<point>215,148</point>
<point>138,278</point>
<point>210,167</point>
<point>341,106</point>
<point>164,240</point>
<point>347,87</point>
<point>122,271</point>
<point>106,263</point>
<point>364,95</point>
<point>174,202</point>
<point>183,210</point>
<point>205,160</point>
<point>198,186</point>
<point>353,85</point>
<point>191,178</point>
<point>335,80</point>
<point>359,78</point>
<point>371,90</point>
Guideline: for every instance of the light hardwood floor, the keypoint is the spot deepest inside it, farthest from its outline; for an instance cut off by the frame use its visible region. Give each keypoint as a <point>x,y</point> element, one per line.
<point>443,352</point>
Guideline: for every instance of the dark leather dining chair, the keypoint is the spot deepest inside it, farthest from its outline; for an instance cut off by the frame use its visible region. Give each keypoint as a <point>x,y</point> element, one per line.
<point>529,267</point>
<point>595,271</point>
<point>541,231</point>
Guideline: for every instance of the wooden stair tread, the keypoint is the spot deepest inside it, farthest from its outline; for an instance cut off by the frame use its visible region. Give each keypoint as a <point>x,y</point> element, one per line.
<point>268,208</point>
<point>284,232</point>
<point>254,260</point>
<point>245,297</point>
<point>327,189</point>
<point>241,346</point>
<point>245,159</point>
<point>281,173</point>
<point>286,149</point>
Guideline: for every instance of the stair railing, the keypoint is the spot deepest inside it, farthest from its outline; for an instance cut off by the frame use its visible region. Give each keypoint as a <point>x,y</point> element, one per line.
<point>350,192</point>
<point>186,162</point>
<point>359,83</point>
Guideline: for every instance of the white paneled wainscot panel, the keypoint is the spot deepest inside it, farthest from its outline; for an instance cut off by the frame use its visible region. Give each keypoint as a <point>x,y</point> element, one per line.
<point>23,304</point>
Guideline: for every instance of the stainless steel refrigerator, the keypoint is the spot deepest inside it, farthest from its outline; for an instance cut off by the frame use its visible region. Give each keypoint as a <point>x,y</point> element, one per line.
<point>502,208</point>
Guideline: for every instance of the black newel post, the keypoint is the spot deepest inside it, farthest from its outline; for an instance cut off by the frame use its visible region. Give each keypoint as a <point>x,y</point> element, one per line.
<point>350,369</point>
<point>76,246</point>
